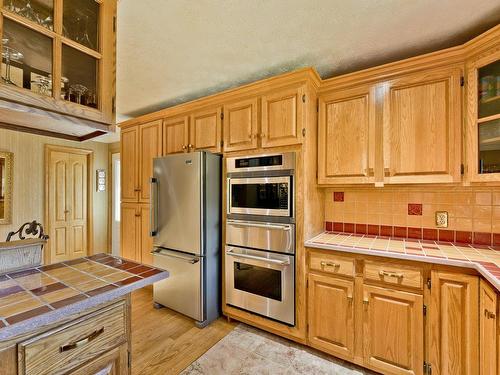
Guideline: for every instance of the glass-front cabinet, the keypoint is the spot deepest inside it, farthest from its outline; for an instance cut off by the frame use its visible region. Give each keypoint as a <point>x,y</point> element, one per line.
<point>483,117</point>
<point>60,51</point>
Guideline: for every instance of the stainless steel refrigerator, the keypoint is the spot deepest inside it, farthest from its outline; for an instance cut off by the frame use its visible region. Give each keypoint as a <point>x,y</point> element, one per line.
<point>185,226</point>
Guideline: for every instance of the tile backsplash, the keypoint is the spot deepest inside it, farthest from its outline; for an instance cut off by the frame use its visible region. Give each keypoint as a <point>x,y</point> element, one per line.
<point>473,213</point>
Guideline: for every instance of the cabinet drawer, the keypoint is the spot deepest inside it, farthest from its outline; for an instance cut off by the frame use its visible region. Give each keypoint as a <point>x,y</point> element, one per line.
<point>64,348</point>
<point>393,274</point>
<point>331,263</point>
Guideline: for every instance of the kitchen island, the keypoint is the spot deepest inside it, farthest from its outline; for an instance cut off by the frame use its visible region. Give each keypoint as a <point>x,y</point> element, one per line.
<point>70,317</point>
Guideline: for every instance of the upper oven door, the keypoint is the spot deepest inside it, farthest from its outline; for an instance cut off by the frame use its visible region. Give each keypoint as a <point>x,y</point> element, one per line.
<point>270,196</point>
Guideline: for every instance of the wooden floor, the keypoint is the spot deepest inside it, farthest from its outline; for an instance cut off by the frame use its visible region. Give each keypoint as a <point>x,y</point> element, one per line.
<point>165,342</point>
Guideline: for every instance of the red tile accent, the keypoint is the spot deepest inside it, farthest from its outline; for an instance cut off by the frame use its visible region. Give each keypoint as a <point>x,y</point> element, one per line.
<point>348,227</point>
<point>16,275</point>
<point>68,301</point>
<point>430,234</point>
<point>11,290</point>
<point>101,290</point>
<point>329,226</point>
<point>149,273</point>
<point>130,280</point>
<point>338,227</point>
<point>374,229</point>
<point>338,196</point>
<point>48,289</point>
<point>496,239</point>
<point>52,267</point>
<point>140,269</point>
<point>361,228</point>
<point>446,235</point>
<point>415,233</point>
<point>127,265</point>
<point>386,230</point>
<point>463,237</point>
<point>400,232</point>
<point>27,315</point>
<point>75,261</point>
<point>415,209</point>
<point>413,248</point>
<point>482,238</point>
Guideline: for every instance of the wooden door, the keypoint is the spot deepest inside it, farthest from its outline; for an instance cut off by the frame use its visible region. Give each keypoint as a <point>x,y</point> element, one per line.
<point>241,125</point>
<point>205,128</point>
<point>146,239</point>
<point>129,159</point>
<point>67,205</point>
<point>487,330</point>
<point>331,315</point>
<point>130,231</point>
<point>114,362</point>
<point>175,135</point>
<point>422,127</point>
<point>453,324</point>
<point>282,121</point>
<point>393,330</point>
<point>346,138</point>
<point>150,145</point>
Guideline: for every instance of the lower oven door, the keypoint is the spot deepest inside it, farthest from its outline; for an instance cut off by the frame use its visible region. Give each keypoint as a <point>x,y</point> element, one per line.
<point>261,282</point>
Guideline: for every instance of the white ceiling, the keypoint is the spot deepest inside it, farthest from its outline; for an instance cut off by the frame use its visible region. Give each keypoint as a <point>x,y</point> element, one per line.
<point>172,51</point>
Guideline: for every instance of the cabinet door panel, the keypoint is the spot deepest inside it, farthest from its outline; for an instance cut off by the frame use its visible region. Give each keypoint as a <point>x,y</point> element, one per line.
<point>240,125</point>
<point>422,127</point>
<point>150,145</point>
<point>453,320</point>
<point>175,135</point>
<point>129,164</point>
<point>487,329</point>
<point>282,120</point>
<point>129,241</point>
<point>205,130</point>
<point>393,330</point>
<point>146,239</point>
<point>346,136</point>
<point>331,315</point>
<point>113,362</point>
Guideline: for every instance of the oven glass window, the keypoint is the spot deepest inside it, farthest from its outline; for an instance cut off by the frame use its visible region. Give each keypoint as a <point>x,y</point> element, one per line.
<point>265,196</point>
<point>261,281</point>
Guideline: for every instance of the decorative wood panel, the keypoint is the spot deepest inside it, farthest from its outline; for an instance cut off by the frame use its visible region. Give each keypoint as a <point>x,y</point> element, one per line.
<point>205,130</point>
<point>453,319</point>
<point>129,169</point>
<point>331,315</point>
<point>487,330</point>
<point>146,239</point>
<point>422,127</point>
<point>282,121</point>
<point>113,362</point>
<point>241,125</point>
<point>77,215</point>
<point>393,330</point>
<point>175,135</point>
<point>130,236</point>
<point>346,136</point>
<point>150,145</point>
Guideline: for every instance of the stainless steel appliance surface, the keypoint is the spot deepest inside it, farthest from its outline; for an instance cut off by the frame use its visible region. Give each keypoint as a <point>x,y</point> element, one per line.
<point>261,282</point>
<point>260,235</point>
<point>185,225</point>
<point>261,186</point>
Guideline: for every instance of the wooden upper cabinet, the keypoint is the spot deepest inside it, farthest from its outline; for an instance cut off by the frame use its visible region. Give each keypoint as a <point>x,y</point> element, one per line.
<point>453,324</point>
<point>130,231</point>
<point>282,120</point>
<point>150,145</point>
<point>487,330</point>
<point>175,135</point>
<point>331,315</point>
<point>422,127</point>
<point>129,164</point>
<point>241,125</point>
<point>346,136</point>
<point>393,330</point>
<point>205,130</point>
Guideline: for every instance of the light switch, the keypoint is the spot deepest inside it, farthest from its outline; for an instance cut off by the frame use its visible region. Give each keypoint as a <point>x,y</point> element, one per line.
<point>442,219</point>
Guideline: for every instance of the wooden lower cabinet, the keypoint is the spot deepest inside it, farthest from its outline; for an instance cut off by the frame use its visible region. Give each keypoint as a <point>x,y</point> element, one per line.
<point>114,362</point>
<point>393,330</point>
<point>487,330</point>
<point>135,242</point>
<point>331,297</point>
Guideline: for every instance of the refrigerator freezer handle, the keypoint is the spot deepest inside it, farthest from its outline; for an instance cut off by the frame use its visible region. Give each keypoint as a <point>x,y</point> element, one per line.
<point>153,213</point>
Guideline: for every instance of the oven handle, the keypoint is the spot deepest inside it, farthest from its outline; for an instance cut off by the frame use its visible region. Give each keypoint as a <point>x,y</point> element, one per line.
<point>285,228</point>
<point>253,257</point>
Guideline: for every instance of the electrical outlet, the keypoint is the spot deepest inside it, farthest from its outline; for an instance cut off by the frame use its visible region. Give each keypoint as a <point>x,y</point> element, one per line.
<point>442,219</point>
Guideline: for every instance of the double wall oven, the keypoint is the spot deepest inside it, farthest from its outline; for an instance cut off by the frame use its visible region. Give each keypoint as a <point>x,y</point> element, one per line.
<point>260,235</point>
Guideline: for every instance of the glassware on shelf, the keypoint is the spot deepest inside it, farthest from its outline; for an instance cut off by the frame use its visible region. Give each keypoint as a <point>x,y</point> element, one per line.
<point>28,12</point>
<point>76,93</point>
<point>91,99</point>
<point>489,147</point>
<point>82,35</point>
<point>10,54</point>
<point>37,14</point>
<point>44,84</point>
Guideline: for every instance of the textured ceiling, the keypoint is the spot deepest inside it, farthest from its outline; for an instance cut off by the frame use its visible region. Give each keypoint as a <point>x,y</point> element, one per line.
<point>172,51</point>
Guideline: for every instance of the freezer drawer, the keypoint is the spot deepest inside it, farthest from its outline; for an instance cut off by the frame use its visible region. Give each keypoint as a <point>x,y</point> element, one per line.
<point>182,291</point>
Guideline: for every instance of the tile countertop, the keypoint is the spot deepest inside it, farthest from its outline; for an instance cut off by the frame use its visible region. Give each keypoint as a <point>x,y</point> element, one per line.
<point>485,259</point>
<point>43,295</point>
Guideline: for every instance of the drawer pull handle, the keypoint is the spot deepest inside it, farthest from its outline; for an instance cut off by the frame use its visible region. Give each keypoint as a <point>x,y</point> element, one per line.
<point>329,264</point>
<point>391,274</point>
<point>81,342</point>
<point>489,314</point>
<point>349,299</point>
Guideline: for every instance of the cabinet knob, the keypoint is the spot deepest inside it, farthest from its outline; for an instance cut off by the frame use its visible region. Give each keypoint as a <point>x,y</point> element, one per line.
<point>137,215</point>
<point>184,147</point>
<point>190,146</point>
<point>489,314</point>
<point>137,189</point>
<point>263,135</point>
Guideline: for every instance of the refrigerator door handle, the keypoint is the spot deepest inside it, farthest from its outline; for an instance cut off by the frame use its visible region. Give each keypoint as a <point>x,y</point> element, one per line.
<point>164,253</point>
<point>153,213</point>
